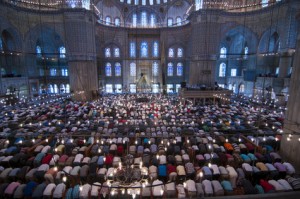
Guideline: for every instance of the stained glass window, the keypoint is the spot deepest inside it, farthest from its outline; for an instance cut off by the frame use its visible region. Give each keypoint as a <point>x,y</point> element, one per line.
<point>155,88</point>
<point>50,88</point>
<point>171,52</point>
<point>132,88</point>
<point>155,49</point>
<point>152,20</point>
<point>155,69</point>
<point>264,3</point>
<point>68,88</point>
<point>108,20</point>
<point>117,52</point>
<point>179,69</point>
<point>64,72</point>
<point>136,2</point>
<point>52,72</point>
<point>107,52</point>
<point>118,69</point>
<point>118,88</point>
<point>198,4</point>
<point>222,70</point>
<point>108,69</point>
<point>170,88</point>
<point>170,69</point>
<point>55,88</point>
<point>143,2</point>
<point>233,72</point>
<point>134,20</point>
<point>178,86</point>
<point>178,21</point>
<point>132,49</point>
<point>86,4</point>
<point>117,21</point>
<point>62,52</point>
<point>144,49</point>
<point>144,19</point>
<point>109,88</point>
<point>223,52</point>
<point>246,52</point>
<point>179,52</point>
<point>38,50</point>
<point>62,88</point>
<point>132,69</point>
<point>170,22</point>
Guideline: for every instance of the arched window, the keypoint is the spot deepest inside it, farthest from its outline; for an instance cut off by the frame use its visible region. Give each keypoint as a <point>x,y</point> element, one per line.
<point>64,72</point>
<point>116,52</point>
<point>118,69</point>
<point>233,72</point>
<point>144,49</point>
<point>179,69</point>
<point>264,3</point>
<point>143,2</point>
<point>62,88</point>
<point>155,49</point>
<point>157,1</point>
<point>108,69</point>
<point>179,52</point>
<point>170,69</point>
<point>198,4</point>
<point>132,49</point>
<point>129,1</point>
<point>50,89</point>
<point>246,52</point>
<point>108,20</point>
<point>152,20</point>
<point>55,88</point>
<point>234,88</point>
<point>222,70</point>
<point>86,4</point>
<point>151,2</point>
<point>144,19</point>
<point>155,69</point>
<point>230,86</point>
<point>223,52</point>
<point>132,69</point>
<point>171,52</point>
<point>134,20</point>
<point>136,2</point>
<point>178,21</point>
<point>242,88</point>
<point>52,71</point>
<point>38,50</point>
<point>107,52</point>
<point>117,21</point>
<point>67,88</point>
<point>170,22</point>
<point>62,52</point>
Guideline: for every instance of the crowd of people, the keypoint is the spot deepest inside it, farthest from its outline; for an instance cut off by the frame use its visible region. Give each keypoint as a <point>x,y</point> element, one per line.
<point>141,145</point>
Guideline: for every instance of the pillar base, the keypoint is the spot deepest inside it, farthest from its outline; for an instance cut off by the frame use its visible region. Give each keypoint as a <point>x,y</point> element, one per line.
<point>86,96</point>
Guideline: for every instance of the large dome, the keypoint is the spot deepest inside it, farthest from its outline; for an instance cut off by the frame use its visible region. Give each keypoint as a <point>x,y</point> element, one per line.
<point>146,13</point>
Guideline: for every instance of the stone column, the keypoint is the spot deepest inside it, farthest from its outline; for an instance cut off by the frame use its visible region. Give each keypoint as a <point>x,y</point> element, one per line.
<point>81,51</point>
<point>289,148</point>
